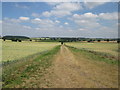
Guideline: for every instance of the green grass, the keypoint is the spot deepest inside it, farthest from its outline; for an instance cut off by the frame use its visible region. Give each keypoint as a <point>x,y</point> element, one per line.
<point>17,50</point>
<point>93,55</point>
<point>15,73</point>
<point>106,48</point>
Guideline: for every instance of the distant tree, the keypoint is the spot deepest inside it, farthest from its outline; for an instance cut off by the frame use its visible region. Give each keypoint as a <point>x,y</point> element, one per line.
<point>98,40</point>
<point>3,39</point>
<point>14,40</point>
<point>61,42</point>
<point>107,40</point>
<point>89,41</point>
<point>44,38</point>
<point>118,40</point>
<point>19,40</point>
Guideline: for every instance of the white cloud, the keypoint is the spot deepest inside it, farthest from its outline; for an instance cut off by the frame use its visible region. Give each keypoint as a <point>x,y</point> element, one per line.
<point>68,6</point>
<point>92,5</point>
<point>46,14</point>
<point>66,23</point>
<point>63,9</point>
<point>0,21</point>
<point>86,20</point>
<point>109,16</point>
<point>37,19</point>
<point>57,21</point>
<point>43,23</point>
<point>16,21</point>
<point>61,26</point>
<point>24,18</point>
<point>88,24</point>
<point>60,13</point>
<point>12,29</point>
<point>105,16</point>
<point>82,29</point>
<point>27,27</point>
<point>76,16</point>
<point>35,15</point>
<point>88,15</point>
<point>47,27</point>
<point>11,20</point>
<point>57,13</point>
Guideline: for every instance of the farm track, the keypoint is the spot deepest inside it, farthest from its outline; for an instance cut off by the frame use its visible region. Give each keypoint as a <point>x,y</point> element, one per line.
<point>72,70</point>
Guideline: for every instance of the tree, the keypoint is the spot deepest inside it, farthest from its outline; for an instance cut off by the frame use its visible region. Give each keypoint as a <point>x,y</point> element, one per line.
<point>3,39</point>
<point>107,40</point>
<point>98,40</point>
<point>14,38</point>
<point>19,40</point>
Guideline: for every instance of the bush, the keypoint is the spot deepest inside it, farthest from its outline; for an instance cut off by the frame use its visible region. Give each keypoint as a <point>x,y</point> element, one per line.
<point>14,40</point>
<point>99,40</point>
<point>19,40</point>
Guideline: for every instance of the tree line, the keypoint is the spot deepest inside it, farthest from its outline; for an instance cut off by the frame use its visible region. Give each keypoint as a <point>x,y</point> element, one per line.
<point>56,39</point>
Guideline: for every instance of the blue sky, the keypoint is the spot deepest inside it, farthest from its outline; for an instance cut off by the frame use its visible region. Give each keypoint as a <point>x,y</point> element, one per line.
<point>91,19</point>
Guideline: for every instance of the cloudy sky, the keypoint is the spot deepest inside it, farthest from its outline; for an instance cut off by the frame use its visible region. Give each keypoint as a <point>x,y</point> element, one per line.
<point>41,19</point>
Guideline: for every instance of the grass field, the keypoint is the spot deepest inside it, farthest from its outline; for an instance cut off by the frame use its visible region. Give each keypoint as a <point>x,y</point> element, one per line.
<point>80,67</point>
<point>108,48</point>
<point>13,74</point>
<point>17,50</point>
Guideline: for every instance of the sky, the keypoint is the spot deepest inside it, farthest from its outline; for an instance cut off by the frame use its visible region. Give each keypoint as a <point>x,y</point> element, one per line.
<point>60,19</point>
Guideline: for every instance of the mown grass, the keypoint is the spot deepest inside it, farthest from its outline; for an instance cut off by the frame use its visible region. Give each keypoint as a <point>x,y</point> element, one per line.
<point>94,55</point>
<point>15,73</point>
<point>16,50</point>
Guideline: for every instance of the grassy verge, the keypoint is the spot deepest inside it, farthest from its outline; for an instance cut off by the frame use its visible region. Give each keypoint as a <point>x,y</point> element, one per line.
<point>94,55</point>
<point>14,73</point>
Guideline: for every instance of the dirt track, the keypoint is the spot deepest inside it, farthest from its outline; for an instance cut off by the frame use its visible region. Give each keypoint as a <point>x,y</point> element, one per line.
<point>72,70</point>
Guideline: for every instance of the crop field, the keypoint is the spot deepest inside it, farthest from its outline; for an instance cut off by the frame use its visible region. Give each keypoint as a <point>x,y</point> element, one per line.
<point>107,48</point>
<point>17,50</point>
